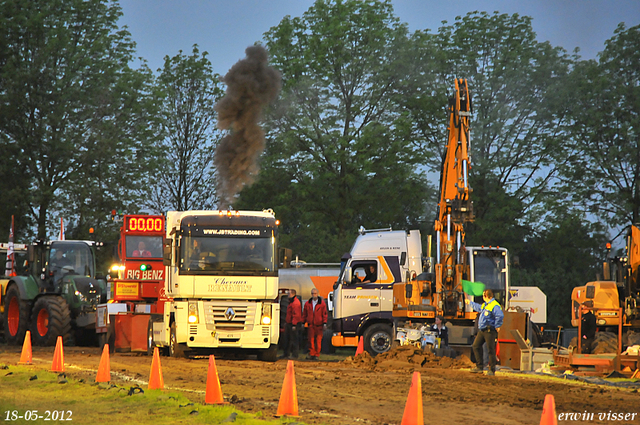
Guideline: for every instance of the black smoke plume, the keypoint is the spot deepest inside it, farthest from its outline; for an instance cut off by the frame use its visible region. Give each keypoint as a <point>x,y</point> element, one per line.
<point>251,85</point>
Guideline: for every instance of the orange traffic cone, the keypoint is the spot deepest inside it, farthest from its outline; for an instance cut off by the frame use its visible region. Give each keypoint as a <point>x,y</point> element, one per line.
<point>549,411</point>
<point>25,357</point>
<point>636,374</point>
<point>413,414</point>
<point>104,370</point>
<point>58,357</point>
<point>360,348</point>
<point>214,392</point>
<point>155,379</point>
<point>288,404</point>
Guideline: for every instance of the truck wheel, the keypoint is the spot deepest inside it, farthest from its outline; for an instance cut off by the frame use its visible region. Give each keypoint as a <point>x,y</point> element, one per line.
<point>378,339</point>
<point>175,349</point>
<point>50,318</point>
<point>16,317</point>
<point>270,354</point>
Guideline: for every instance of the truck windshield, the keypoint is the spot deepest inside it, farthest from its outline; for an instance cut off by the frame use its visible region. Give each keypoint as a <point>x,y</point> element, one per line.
<point>144,246</point>
<point>70,258</point>
<point>227,255</point>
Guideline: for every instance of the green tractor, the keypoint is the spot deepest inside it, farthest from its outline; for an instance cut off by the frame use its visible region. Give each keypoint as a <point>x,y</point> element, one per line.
<point>57,296</point>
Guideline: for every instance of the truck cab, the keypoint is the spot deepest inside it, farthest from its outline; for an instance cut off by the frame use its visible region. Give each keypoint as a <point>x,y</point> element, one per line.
<point>221,282</point>
<point>362,308</point>
<point>362,298</point>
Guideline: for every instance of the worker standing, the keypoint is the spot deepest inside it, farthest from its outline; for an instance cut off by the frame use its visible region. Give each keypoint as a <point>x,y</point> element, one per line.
<point>315,318</point>
<point>293,324</point>
<point>489,323</point>
<point>587,327</point>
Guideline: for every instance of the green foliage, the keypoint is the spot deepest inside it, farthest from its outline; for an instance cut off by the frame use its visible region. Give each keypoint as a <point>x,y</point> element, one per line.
<point>14,190</point>
<point>602,170</point>
<point>499,216</point>
<point>79,119</point>
<point>340,152</point>
<point>189,91</point>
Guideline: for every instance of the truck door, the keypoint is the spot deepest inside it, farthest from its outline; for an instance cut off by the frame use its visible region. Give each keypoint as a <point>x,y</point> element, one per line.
<point>361,296</point>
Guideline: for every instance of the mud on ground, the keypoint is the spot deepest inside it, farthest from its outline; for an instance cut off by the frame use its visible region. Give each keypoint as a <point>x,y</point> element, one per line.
<point>359,390</point>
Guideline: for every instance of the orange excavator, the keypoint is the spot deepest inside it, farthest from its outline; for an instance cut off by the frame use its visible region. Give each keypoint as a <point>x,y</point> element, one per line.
<point>620,289</point>
<point>438,290</point>
<point>454,209</point>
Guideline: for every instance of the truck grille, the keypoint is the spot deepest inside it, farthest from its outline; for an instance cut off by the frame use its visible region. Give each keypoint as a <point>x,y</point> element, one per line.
<point>230,316</point>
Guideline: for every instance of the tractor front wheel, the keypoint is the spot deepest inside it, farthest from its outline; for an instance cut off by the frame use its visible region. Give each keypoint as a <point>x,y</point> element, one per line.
<point>50,318</point>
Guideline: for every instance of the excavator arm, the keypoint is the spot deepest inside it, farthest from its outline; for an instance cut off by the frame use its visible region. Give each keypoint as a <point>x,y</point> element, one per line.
<point>455,207</point>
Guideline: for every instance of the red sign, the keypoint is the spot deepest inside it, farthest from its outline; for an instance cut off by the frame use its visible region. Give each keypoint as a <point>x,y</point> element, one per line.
<point>144,224</point>
<point>152,274</point>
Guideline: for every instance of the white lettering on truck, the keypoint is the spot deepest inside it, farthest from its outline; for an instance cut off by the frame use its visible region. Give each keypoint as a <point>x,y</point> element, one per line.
<point>232,232</point>
<point>145,275</point>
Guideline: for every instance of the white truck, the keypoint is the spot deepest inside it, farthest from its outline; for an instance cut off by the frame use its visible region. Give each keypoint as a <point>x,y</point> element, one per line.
<point>364,308</point>
<point>221,281</point>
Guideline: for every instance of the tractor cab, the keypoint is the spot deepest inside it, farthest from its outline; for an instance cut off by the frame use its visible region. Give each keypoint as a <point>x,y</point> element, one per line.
<point>52,261</point>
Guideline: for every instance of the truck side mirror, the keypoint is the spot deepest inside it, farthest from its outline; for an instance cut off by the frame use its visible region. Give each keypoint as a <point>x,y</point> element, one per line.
<point>348,275</point>
<point>408,290</point>
<point>403,258</point>
<point>166,252</point>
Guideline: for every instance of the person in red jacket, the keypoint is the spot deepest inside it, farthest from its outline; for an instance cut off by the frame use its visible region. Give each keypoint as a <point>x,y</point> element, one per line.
<point>293,325</point>
<point>315,318</point>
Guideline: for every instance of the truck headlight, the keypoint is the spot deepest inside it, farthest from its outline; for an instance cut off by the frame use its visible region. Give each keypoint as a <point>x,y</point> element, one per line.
<point>266,314</point>
<point>193,312</point>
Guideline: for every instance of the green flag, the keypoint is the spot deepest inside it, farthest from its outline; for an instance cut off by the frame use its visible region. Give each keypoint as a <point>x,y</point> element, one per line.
<point>473,288</point>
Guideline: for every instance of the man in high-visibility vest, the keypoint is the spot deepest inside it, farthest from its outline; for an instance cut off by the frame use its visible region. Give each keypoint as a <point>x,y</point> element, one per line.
<point>489,322</point>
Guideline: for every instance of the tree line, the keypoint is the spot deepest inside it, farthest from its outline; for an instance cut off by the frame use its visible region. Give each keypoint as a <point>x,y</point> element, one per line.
<point>356,137</point>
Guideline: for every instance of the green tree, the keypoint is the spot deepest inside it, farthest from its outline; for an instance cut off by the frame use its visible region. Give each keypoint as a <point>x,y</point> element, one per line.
<point>14,190</point>
<point>515,130</point>
<point>186,177</point>
<point>602,172</point>
<point>73,112</point>
<point>341,153</point>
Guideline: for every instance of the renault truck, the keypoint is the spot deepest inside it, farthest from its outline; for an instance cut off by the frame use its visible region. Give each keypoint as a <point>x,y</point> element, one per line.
<point>221,284</point>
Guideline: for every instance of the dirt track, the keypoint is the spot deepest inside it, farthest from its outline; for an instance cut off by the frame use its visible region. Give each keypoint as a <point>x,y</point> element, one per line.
<point>360,391</point>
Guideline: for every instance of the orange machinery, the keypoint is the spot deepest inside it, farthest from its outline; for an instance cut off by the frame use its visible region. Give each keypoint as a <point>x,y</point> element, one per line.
<point>136,287</point>
<point>439,290</point>
<point>620,289</point>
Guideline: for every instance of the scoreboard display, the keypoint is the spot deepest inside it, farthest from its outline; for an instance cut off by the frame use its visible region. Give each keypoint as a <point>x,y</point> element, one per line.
<point>144,224</point>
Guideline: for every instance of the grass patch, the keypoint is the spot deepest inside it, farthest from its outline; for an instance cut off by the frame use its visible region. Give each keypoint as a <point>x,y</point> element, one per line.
<point>83,402</point>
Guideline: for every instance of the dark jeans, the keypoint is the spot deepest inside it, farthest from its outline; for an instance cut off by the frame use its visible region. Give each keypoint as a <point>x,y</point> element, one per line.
<point>586,345</point>
<point>292,345</point>
<point>488,336</point>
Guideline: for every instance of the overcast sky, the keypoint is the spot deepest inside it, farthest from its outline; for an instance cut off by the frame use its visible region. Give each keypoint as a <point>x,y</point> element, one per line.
<point>225,28</point>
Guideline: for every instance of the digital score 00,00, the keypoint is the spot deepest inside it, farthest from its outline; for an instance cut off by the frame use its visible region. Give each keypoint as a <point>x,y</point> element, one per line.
<point>145,224</point>
<point>34,415</point>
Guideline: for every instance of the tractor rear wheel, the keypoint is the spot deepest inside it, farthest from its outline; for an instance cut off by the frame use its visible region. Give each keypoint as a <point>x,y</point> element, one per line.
<point>16,317</point>
<point>51,318</point>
